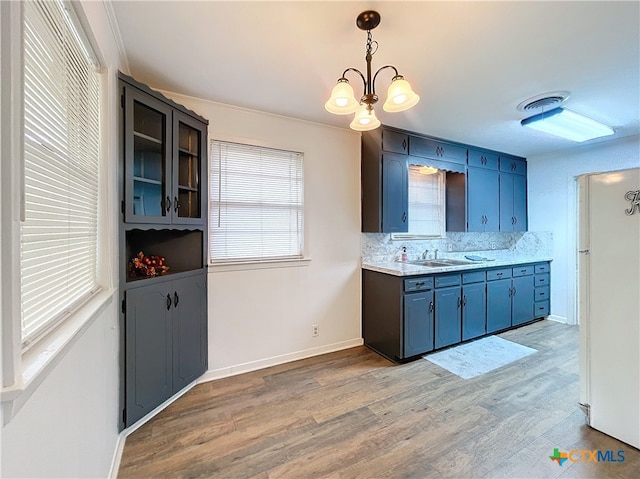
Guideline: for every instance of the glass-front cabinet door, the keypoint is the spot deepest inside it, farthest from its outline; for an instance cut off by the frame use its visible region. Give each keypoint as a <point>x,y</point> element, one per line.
<point>147,153</point>
<point>189,150</point>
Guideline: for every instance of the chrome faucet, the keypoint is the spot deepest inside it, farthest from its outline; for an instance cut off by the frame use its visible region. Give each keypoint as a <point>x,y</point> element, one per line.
<point>435,254</point>
<point>425,255</point>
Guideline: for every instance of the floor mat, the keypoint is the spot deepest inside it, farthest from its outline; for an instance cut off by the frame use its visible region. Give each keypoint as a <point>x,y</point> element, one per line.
<point>478,357</point>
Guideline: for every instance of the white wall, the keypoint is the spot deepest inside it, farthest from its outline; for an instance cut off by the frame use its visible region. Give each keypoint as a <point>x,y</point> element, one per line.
<point>68,427</point>
<point>552,191</point>
<point>261,317</point>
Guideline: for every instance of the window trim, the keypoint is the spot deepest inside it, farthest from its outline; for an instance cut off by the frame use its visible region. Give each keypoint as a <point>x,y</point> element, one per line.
<point>23,372</point>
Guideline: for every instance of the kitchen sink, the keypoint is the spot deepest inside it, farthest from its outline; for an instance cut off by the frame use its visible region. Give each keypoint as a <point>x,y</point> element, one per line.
<point>439,263</point>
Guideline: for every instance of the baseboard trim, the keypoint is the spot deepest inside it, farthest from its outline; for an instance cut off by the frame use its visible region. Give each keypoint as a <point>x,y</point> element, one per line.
<point>122,438</point>
<point>117,455</point>
<point>558,319</point>
<point>220,373</point>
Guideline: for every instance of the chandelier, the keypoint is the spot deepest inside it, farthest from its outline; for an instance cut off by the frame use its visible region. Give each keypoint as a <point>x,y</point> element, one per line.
<point>400,96</point>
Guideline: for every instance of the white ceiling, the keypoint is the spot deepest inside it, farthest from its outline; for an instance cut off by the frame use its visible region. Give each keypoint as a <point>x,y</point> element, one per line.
<point>471,62</point>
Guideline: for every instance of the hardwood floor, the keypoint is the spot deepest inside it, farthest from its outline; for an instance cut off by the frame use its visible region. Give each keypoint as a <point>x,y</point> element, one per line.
<point>353,414</point>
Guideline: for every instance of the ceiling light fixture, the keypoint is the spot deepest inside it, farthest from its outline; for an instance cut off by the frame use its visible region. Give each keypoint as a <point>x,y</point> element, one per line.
<point>567,124</point>
<point>400,96</point>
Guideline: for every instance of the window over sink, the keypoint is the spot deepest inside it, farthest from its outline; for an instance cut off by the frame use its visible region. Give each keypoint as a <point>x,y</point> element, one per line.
<point>426,203</point>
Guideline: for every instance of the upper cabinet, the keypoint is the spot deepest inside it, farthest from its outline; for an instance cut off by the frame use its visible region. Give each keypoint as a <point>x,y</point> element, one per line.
<point>164,160</point>
<point>486,191</point>
<point>483,199</point>
<point>513,194</point>
<point>384,176</point>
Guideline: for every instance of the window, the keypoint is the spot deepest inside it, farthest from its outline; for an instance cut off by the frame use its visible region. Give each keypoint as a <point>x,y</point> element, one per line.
<point>426,202</point>
<point>256,203</point>
<point>58,235</point>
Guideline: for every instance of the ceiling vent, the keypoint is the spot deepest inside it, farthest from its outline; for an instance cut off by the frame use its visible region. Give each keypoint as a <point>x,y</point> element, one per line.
<point>545,101</point>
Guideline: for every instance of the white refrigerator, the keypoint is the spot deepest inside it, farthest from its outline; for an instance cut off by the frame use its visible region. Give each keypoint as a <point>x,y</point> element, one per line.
<point>609,302</point>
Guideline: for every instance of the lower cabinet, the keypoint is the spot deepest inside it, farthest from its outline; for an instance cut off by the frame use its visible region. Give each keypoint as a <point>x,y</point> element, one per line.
<point>474,310</point>
<point>522,300</point>
<point>448,326</point>
<point>404,317</point>
<point>418,323</point>
<point>165,341</point>
<point>498,305</point>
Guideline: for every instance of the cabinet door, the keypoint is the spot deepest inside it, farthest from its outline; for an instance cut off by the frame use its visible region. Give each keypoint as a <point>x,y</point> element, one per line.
<point>189,150</point>
<point>482,199</point>
<point>519,203</point>
<point>507,219</point>
<point>474,311</point>
<point>148,350</point>
<point>418,323</point>
<point>447,316</point>
<point>522,300</point>
<point>395,200</point>
<point>147,152</point>
<point>189,330</point>
<point>498,305</point>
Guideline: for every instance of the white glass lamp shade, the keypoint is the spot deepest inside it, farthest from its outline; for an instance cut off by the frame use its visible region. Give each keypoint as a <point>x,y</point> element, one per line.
<point>365,119</point>
<point>567,124</point>
<point>400,96</point>
<point>342,101</point>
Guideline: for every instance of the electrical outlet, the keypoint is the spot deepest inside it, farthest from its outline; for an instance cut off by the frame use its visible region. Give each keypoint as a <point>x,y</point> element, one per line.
<point>492,245</point>
<point>449,247</point>
<point>315,330</point>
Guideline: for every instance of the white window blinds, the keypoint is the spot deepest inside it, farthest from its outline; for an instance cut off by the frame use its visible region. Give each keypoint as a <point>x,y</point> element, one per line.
<point>61,164</point>
<point>256,203</point>
<point>426,202</point>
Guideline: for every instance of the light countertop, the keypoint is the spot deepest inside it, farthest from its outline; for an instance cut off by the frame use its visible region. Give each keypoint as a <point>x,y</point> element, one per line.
<point>399,268</point>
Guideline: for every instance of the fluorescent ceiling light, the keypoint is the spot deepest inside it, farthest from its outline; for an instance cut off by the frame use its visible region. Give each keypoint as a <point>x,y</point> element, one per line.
<point>567,124</point>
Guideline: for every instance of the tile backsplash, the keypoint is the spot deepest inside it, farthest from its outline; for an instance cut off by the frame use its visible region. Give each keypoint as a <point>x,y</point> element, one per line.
<point>380,246</point>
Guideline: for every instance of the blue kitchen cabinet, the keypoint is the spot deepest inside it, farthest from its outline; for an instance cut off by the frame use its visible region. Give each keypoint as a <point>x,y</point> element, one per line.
<point>448,310</point>
<point>498,305</point>
<point>395,196</point>
<point>522,299</point>
<point>474,310</point>
<point>482,200</point>
<point>513,194</point>
<point>418,323</point>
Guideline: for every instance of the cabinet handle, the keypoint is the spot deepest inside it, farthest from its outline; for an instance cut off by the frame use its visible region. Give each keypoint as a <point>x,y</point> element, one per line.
<point>404,144</point>
<point>420,283</point>
<point>431,306</point>
<point>168,204</point>
<point>498,274</point>
<point>404,217</point>
<point>168,302</point>
<point>523,271</point>
<point>176,205</point>
<point>176,299</point>
<point>514,291</point>
<point>459,301</point>
<point>464,300</point>
<point>515,220</point>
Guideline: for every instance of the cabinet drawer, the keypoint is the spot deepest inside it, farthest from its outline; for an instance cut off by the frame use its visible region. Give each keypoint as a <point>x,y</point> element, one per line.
<point>418,284</point>
<point>482,160</point>
<point>494,274</point>
<point>542,279</point>
<point>428,148</point>
<point>473,277</point>
<point>513,165</point>
<point>395,142</point>
<point>522,271</point>
<point>447,280</point>
<point>541,309</point>
<point>542,268</point>
<point>541,293</point>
